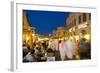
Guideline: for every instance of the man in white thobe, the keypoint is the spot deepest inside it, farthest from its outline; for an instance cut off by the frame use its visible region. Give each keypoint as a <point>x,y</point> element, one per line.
<point>70,49</point>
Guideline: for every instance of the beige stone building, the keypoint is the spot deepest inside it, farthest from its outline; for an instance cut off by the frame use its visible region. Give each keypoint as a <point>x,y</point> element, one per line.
<point>28,31</point>
<point>60,32</point>
<point>79,24</point>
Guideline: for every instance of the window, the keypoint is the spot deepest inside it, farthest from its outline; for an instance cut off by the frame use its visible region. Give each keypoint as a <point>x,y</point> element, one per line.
<point>79,19</point>
<point>89,16</point>
<point>84,17</point>
<point>75,22</point>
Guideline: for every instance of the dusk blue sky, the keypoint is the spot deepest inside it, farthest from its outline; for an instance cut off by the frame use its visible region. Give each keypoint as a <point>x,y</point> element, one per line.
<point>46,21</point>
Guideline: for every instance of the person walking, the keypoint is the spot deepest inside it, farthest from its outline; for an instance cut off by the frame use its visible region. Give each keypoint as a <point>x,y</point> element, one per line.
<point>62,47</point>
<point>70,51</point>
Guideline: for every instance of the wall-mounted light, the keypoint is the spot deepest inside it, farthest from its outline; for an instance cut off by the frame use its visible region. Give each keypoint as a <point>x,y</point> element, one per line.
<point>87,36</point>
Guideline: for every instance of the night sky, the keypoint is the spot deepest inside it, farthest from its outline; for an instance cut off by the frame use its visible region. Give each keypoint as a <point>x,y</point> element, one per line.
<point>46,21</point>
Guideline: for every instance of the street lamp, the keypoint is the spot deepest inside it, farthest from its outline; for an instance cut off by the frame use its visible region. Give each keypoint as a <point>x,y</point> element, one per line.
<point>87,36</point>
<point>33,34</point>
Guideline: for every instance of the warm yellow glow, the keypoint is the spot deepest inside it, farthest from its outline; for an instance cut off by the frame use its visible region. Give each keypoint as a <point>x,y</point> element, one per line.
<point>40,39</point>
<point>77,57</point>
<point>37,41</point>
<point>33,35</point>
<point>37,46</point>
<point>77,37</point>
<point>71,38</point>
<point>87,36</point>
<point>27,38</point>
<point>46,38</point>
<point>61,38</point>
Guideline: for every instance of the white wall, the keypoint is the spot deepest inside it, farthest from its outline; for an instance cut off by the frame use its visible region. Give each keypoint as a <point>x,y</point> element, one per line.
<point>5,35</point>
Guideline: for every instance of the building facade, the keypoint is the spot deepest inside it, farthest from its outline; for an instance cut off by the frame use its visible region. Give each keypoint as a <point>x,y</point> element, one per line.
<point>28,31</point>
<point>60,33</point>
<point>79,24</point>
